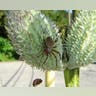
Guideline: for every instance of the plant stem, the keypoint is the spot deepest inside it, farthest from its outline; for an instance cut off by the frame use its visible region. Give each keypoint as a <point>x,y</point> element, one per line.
<point>71,77</point>
<point>49,78</point>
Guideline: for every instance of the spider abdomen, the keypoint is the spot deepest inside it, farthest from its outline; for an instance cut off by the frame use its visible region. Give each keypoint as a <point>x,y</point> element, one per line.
<point>48,45</point>
<point>47,51</point>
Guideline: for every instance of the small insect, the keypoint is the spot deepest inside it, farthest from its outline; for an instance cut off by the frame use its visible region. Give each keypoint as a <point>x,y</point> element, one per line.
<point>37,82</point>
<point>49,45</point>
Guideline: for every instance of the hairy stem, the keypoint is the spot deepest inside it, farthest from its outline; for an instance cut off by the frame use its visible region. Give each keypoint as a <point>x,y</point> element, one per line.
<point>71,77</point>
<point>49,78</point>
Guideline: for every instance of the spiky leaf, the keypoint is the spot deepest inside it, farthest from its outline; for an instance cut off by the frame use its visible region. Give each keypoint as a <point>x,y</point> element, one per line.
<point>27,30</point>
<point>81,41</point>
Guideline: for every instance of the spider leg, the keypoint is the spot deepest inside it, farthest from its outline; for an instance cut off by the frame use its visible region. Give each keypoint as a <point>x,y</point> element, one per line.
<point>55,57</point>
<point>57,53</point>
<point>45,60</point>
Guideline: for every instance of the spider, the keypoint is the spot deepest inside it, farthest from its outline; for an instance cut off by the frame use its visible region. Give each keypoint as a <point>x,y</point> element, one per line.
<point>48,48</point>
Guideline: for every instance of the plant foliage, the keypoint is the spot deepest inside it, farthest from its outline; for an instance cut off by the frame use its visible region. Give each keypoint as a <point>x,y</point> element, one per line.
<point>81,41</point>
<point>28,30</point>
<point>6,50</point>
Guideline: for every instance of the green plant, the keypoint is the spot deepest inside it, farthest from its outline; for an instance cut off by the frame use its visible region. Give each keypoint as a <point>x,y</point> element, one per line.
<point>28,30</point>
<point>81,41</point>
<point>6,50</point>
<point>80,45</point>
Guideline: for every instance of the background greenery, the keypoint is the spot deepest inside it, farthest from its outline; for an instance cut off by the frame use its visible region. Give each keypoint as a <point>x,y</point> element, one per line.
<point>7,52</point>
